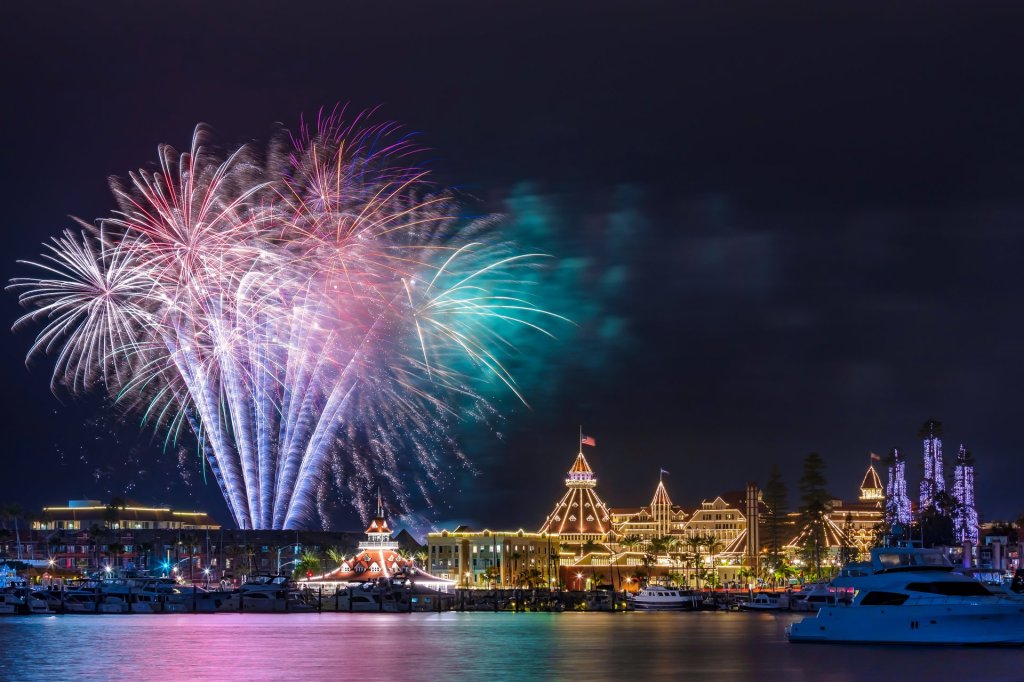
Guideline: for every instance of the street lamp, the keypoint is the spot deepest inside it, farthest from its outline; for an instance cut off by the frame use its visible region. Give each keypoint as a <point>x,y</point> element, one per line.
<point>174,566</point>
<point>295,550</point>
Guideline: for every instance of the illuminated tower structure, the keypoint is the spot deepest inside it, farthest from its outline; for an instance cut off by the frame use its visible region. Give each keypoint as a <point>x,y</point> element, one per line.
<point>934,481</point>
<point>580,516</point>
<point>871,486</point>
<point>965,516</point>
<point>661,510</point>
<point>897,503</point>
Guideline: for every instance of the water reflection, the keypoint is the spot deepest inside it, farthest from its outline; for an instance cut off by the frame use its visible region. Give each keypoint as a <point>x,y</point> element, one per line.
<point>649,646</point>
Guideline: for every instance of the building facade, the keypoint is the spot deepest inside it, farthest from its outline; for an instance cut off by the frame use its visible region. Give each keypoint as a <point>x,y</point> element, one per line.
<point>493,558</point>
<point>87,514</point>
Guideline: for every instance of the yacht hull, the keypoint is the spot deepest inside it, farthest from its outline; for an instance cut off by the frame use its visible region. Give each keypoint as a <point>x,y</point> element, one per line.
<point>961,624</point>
<point>680,606</point>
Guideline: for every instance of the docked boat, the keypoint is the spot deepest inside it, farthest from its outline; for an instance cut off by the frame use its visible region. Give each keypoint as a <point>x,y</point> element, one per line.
<point>266,594</point>
<point>817,596</point>
<point>371,598</point>
<point>658,598</point>
<point>910,595</point>
<point>761,602</point>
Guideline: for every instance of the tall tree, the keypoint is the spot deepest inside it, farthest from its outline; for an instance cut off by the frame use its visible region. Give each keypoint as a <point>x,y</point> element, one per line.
<point>815,507</point>
<point>847,547</point>
<point>776,508</point>
<point>934,525</point>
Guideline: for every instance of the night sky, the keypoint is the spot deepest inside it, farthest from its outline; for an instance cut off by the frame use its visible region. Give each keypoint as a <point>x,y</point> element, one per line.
<point>786,227</point>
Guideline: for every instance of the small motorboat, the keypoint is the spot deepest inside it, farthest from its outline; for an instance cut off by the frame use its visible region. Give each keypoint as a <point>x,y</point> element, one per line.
<point>761,602</point>
<point>659,598</point>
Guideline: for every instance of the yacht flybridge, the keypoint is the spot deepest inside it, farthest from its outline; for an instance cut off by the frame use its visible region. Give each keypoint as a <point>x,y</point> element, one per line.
<point>910,595</point>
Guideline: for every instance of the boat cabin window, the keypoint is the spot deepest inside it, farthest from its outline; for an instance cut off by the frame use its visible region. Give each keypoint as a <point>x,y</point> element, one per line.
<point>897,559</point>
<point>951,589</point>
<point>883,599</point>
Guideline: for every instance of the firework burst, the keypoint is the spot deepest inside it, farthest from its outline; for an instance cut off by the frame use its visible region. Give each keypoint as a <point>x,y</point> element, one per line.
<point>308,316</point>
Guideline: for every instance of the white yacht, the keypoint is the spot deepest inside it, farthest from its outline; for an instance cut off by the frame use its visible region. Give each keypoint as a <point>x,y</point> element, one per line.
<point>658,598</point>
<point>909,595</point>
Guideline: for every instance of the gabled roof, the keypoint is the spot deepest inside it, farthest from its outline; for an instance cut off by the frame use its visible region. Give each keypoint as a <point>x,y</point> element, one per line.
<point>871,479</point>
<point>580,511</point>
<point>661,496</point>
<point>580,466</point>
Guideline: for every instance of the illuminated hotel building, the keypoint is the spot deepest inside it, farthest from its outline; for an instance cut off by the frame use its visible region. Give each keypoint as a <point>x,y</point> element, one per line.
<point>657,519</point>
<point>580,516</point>
<point>482,558</point>
<point>596,537</point>
<point>84,514</point>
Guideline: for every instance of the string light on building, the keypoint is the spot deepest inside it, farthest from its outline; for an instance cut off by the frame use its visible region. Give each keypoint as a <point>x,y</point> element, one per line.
<point>897,503</point>
<point>965,516</point>
<point>580,515</point>
<point>934,480</point>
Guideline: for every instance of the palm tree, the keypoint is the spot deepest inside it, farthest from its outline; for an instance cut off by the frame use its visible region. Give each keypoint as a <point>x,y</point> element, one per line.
<point>116,549</point>
<point>335,556</point>
<point>112,514</point>
<point>13,511</point>
<point>745,574</point>
<point>672,545</point>
<point>695,545</point>
<point>308,563</point>
<point>422,557</point>
<point>647,560</point>
<point>54,541</point>
<point>146,549</point>
<point>631,542</point>
<point>514,571</point>
<point>531,577</point>
<point>714,546</point>
<point>492,574</point>
<point>95,537</point>
<point>687,559</point>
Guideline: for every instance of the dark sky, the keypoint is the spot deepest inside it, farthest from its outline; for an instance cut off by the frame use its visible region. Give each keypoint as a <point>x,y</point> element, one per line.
<point>820,209</point>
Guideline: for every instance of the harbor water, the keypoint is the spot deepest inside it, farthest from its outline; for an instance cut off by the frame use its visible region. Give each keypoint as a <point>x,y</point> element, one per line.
<point>458,646</point>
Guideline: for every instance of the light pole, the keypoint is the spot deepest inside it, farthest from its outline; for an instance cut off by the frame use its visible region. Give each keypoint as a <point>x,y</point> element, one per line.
<point>280,565</point>
<point>295,550</point>
<point>173,568</point>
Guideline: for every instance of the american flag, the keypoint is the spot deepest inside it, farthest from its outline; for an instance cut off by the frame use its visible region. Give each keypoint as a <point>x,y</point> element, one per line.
<point>875,457</point>
<point>588,440</point>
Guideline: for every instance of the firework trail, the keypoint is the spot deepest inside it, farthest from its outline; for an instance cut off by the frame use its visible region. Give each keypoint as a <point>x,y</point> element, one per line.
<point>306,314</point>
